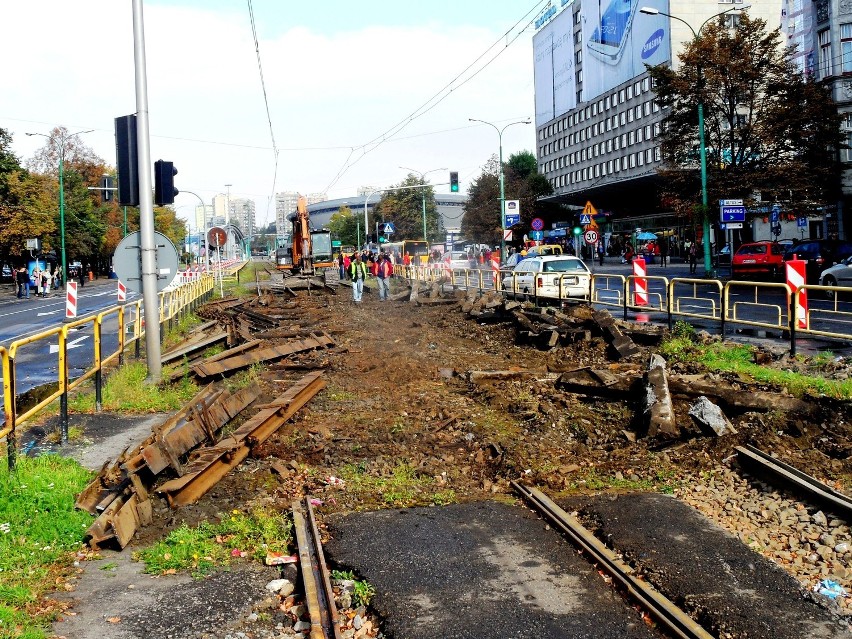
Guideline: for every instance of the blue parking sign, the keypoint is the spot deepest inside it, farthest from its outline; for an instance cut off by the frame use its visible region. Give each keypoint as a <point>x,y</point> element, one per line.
<point>802,222</point>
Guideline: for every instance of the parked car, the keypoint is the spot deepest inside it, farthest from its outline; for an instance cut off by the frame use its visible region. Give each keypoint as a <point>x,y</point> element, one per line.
<point>543,275</point>
<point>722,257</point>
<point>457,260</point>
<point>544,249</point>
<point>819,255</point>
<point>512,260</point>
<point>837,275</point>
<point>758,258</point>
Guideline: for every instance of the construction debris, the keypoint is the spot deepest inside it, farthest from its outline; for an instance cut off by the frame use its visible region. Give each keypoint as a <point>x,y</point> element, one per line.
<point>658,401</point>
<point>710,417</point>
<point>239,361</point>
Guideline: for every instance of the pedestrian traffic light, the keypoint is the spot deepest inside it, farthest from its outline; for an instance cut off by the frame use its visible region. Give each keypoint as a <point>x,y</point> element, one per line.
<point>164,183</point>
<point>126,160</point>
<point>578,230</point>
<point>454,182</point>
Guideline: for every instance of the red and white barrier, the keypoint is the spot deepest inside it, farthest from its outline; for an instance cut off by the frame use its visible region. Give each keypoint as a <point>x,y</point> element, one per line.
<point>122,292</point>
<point>795,279</point>
<point>71,300</point>
<point>495,268</point>
<point>640,283</point>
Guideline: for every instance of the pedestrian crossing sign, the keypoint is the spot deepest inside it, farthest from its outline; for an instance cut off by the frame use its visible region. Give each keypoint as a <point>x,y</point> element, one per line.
<point>585,220</point>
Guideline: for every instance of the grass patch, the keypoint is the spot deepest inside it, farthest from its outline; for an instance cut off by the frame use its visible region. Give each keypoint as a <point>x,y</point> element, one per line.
<point>125,390</point>
<point>739,359</point>
<point>403,488</point>
<point>663,482</point>
<point>39,534</point>
<point>208,545</point>
<point>180,329</point>
<point>362,590</point>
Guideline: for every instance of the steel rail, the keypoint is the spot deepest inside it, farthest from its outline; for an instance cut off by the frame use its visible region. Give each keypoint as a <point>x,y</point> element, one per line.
<point>325,623</point>
<point>816,491</point>
<point>659,606</point>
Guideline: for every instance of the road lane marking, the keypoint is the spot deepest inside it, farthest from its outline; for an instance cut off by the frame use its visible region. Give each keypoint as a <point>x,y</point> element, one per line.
<point>54,348</point>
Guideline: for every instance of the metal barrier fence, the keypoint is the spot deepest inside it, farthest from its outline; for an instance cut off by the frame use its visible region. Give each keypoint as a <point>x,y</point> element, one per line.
<point>173,303</point>
<point>744,303</point>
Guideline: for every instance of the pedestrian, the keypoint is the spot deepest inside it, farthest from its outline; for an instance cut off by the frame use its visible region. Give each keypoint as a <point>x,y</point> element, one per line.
<point>693,256</point>
<point>340,265</point>
<point>601,253</point>
<point>23,280</point>
<point>383,273</point>
<point>663,248</point>
<point>45,283</point>
<point>37,279</point>
<point>82,276</point>
<point>358,273</point>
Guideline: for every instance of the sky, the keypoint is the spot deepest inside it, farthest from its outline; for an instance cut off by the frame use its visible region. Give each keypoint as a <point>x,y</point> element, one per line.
<point>340,77</point>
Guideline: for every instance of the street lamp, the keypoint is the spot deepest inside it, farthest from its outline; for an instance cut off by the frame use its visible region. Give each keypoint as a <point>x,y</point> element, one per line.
<point>502,183</point>
<point>423,196</point>
<point>702,148</point>
<point>366,226</point>
<point>62,140</point>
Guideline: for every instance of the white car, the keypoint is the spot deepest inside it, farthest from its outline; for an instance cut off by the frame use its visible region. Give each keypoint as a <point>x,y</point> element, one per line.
<point>457,260</point>
<point>553,276</point>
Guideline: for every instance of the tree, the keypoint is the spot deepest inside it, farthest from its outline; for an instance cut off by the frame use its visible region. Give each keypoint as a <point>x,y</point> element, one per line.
<point>769,130</point>
<point>522,182</point>
<point>404,207</point>
<point>344,226</point>
<point>167,223</point>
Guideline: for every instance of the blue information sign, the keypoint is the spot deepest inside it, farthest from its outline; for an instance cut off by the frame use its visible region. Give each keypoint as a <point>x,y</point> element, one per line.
<point>537,236</point>
<point>802,222</point>
<point>776,212</point>
<point>512,219</point>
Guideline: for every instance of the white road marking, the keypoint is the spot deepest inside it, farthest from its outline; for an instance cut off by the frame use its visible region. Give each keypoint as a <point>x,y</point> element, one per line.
<point>54,348</point>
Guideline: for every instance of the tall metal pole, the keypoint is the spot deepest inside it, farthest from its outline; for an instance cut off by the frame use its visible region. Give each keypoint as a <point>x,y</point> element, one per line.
<point>423,198</point>
<point>62,209</point>
<point>702,147</point>
<point>146,203</point>
<point>227,218</point>
<point>203,223</point>
<point>502,181</point>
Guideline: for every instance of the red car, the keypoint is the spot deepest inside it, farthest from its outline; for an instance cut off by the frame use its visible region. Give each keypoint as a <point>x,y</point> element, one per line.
<point>758,258</point>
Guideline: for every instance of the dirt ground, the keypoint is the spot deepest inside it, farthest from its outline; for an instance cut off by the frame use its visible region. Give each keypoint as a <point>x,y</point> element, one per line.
<point>400,422</point>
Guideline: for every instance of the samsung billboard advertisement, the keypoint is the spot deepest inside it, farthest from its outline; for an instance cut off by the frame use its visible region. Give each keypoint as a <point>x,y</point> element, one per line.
<point>555,86</point>
<point>619,40</point>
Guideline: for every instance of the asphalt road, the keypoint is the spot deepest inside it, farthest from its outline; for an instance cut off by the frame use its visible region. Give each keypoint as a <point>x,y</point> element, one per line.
<point>38,363</point>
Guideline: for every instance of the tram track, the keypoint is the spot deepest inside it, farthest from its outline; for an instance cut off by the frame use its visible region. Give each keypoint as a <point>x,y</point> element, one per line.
<point>656,604</point>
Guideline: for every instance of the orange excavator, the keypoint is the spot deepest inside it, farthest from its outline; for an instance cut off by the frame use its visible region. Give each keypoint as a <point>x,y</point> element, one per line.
<point>309,250</point>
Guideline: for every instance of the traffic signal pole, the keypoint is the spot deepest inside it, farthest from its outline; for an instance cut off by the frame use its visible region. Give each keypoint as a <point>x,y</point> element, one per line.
<point>146,204</point>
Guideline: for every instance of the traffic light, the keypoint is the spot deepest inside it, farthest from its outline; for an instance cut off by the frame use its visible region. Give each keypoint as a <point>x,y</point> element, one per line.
<point>164,182</point>
<point>127,160</point>
<point>454,182</point>
<point>578,230</point>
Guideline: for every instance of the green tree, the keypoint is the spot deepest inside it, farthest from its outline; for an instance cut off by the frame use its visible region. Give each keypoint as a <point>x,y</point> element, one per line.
<point>523,182</point>
<point>404,207</point>
<point>344,226</point>
<point>769,130</point>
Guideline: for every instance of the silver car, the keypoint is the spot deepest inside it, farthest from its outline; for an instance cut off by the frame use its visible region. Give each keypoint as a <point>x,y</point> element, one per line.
<point>457,260</point>
<point>837,275</point>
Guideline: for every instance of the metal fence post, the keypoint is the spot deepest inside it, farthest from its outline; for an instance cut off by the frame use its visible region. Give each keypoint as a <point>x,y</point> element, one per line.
<point>63,384</point>
<point>794,300</point>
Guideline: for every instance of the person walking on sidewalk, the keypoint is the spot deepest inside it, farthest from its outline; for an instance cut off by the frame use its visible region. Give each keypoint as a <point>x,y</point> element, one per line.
<point>358,273</point>
<point>383,273</point>
<point>601,253</point>
<point>664,252</point>
<point>23,280</point>
<point>692,252</point>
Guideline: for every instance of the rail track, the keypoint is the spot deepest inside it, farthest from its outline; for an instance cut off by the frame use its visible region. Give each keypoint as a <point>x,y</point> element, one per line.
<point>325,623</point>
<point>657,605</point>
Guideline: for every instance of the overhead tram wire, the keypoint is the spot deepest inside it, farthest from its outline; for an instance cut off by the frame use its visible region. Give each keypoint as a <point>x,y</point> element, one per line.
<point>266,104</point>
<point>438,97</point>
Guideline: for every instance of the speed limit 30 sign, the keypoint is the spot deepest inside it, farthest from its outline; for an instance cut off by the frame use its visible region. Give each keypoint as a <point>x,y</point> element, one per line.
<point>591,237</point>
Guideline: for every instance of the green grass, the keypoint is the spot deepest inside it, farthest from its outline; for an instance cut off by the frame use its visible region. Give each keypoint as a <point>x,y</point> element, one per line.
<point>126,391</point>
<point>39,534</point>
<point>179,331</point>
<point>202,548</point>
<point>362,590</point>
<point>739,359</point>
<point>663,482</point>
<point>404,487</point>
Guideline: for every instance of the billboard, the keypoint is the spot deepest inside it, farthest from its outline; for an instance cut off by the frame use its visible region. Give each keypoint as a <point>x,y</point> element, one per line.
<point>555,86</point>
<point>619,40</point>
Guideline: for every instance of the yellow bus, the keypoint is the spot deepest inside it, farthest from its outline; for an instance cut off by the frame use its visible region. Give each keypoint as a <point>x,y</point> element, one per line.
<point>417,249</point>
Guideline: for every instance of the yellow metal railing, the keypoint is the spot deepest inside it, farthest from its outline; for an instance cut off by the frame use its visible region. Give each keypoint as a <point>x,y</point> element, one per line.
<point>172,303</point>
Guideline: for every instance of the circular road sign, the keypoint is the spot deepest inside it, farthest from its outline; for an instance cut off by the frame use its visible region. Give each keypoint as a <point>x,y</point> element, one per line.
<point>127,261</point>
<point>591,236</point>
<point>217,237</point>
<point>537,224</point>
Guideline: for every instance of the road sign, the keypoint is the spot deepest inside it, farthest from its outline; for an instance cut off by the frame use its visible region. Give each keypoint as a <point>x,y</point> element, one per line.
<point>127,261</point>
<point>389,228</point>
<point>802,222</point>
<point>732,213</point>
<point>591,237</point>
<point>537,236</point>
<point>776,213</point>
<point>512,213</point>
<point>217,237</point>
<point>734,225</point>
<point>585,220</point>
<point>507,235</point>
<point>589,210</point>
<point>537,224</point>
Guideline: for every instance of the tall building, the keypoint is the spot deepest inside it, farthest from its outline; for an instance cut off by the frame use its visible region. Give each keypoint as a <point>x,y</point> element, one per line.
<point>243,215</point>
<point>203,216</point>
<point>597,120</point>
<point>316,198</point>
<point>223,209</point>
<point>285,204</point>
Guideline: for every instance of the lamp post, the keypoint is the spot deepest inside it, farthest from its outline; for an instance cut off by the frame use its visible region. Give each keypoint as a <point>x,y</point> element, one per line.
<point>62,140</point>
<point>702,147</point>
<point>502,181</point>
<point>423,196</point>
<point>366,225</point>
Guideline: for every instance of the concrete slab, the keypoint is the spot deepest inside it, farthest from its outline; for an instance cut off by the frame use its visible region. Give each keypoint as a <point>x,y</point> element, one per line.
<point>483,570</point>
